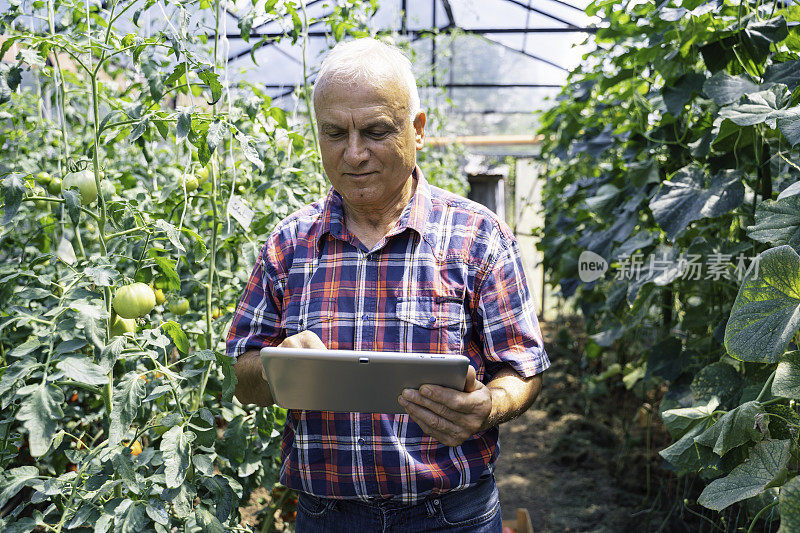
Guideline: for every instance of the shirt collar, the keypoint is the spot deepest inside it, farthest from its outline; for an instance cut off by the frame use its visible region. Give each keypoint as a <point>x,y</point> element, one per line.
<point>415,215</point>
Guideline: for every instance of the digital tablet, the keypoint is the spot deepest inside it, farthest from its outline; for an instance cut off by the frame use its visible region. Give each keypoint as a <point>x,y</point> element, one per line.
<point>355,381</point>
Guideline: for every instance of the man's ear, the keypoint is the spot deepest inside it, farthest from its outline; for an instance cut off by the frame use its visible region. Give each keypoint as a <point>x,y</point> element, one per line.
<point>419,130</point>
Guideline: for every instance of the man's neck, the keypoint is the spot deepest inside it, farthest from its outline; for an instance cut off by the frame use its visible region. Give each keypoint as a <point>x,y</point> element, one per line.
<point>371,225</point>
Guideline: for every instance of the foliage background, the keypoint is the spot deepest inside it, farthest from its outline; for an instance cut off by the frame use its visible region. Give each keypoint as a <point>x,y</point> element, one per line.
<point>676,139</point>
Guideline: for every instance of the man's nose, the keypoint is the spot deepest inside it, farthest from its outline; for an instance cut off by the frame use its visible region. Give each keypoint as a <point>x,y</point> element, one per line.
<point>355,153</point>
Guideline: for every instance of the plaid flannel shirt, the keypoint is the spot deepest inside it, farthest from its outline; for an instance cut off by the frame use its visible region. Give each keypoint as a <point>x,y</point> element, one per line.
<point>446,279</point>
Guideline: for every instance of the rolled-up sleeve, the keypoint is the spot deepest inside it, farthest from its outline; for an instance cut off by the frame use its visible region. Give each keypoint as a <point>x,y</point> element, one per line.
<point>506,315</point>
<point>257,320</point>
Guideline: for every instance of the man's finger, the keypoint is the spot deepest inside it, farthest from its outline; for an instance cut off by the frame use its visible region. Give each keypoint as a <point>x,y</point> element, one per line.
<point>304,339</point>
<point>442,409</point>
<point>472,380</point>
<point>433,425</point>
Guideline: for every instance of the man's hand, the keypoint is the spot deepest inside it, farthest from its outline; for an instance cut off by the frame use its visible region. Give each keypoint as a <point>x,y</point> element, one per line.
<point>304,339</point>
<point>252,386</point>
<point>448,415</point>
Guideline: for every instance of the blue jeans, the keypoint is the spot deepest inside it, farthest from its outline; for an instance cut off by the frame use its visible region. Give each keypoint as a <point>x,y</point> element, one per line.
<point>472,510</point>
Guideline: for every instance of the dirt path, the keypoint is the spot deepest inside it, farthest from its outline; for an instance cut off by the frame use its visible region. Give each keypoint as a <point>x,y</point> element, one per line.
<point>565,459</point>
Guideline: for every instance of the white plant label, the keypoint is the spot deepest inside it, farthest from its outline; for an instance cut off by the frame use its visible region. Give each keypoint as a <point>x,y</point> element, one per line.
<point>66,252</point>
<point>239,210</point>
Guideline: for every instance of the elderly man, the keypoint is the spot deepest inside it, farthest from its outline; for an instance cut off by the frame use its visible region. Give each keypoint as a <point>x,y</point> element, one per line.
<point>388,262</point>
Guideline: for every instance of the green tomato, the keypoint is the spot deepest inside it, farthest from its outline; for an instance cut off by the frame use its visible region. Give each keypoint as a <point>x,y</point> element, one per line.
<point>135,300</point>
<point>190,182</point>
<point>202,175</point>
<point>121,326</point>
<point>84,182</point>
<point>43,177</point>
<point>179,306</point>
<point>54,187</point>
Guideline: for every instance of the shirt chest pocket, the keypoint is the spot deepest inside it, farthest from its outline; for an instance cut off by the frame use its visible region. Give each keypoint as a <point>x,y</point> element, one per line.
<point>314,314</point>
<point>431,324</point>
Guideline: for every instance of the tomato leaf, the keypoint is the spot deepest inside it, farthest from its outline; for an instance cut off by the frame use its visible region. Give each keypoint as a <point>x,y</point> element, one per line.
<point>215,135</point>
<point>211,79</point>
<point>766,313</point>
<point>40,413</point>
<point>176,449</point>
<point>184,124</point>
<point>789,506</point>
<point>173,329</point>
<point>764,464</point>
<point>167,267</point>
<point>229,381</point>
<point>14,479</point>
<point>13,192</point>
<point>10,78</point>
<point>249,150</point>
<point>127,397</point>
<point>79,368</point>
<point>172,234</point>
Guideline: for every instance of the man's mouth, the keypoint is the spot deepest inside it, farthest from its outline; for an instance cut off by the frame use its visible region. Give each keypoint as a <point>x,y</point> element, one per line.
<point>358,175</point>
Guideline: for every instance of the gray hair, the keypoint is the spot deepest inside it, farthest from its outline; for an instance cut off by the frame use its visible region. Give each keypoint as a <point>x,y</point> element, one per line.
<point>368,60</point>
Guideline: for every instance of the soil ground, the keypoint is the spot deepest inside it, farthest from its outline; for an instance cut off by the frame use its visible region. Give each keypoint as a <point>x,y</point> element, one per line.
<point>579,464</point>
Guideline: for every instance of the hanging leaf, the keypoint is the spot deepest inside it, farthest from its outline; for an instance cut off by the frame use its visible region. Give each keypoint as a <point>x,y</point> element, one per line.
<point>791,190</point>
<point>248,149</point>
<point>72,199</point>
<point>13,192</point>
<point>787,376</point>
<point>677,94</point>
<point>173,329</point>
<point>40,413</point>
<point>777,222</point>
<point>184,125</point>
<point>735,428</point>
<point>766,313</point>
<point>176,448</point>
<point>690,196</point>
<point>211,79</point>
<point>764,464</point>
<point>246,24</point>
<point>216,133</point>
<point>128,396</point>
<point>172,234</point>
<point>787,73</point>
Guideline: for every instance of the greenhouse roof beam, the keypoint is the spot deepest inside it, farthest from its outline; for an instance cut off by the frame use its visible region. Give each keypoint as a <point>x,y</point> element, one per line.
<point>543,13</point>
<point>526,54</point>
<point>478,31</point>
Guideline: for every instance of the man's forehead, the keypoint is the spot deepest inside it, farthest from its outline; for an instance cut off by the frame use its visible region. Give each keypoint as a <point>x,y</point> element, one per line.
<point>388,98</point>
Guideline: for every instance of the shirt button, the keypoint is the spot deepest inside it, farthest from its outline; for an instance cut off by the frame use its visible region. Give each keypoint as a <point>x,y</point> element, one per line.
<point>364,316</point>
<point>436,503</point>
<point>360,442</point>
<point>432,320</point>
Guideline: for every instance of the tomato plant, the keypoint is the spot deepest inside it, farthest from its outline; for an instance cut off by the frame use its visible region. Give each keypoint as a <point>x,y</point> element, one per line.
<point>672,155</point>
<point>117,413</point>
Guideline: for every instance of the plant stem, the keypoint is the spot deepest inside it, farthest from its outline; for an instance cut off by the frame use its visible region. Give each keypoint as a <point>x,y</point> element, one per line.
<point>306,96</point>
<point>766,386</point>
<point>758,515</point>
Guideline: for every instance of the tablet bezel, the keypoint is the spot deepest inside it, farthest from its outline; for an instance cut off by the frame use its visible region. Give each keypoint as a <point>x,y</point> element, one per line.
<point>364,381</point>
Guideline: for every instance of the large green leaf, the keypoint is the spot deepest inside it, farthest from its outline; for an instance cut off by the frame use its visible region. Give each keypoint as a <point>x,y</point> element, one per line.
<point>766,313</point>
<point>736,427</point>
<point>725,89</point>
<point>690,196</point>
<point>787,73</point>
<point>13,192</point>
<point>777,222</point>
<point>760,107</point>
<point>789,506</point>
<point>40,413</point>
<point>787,376</point>
<point>128,395</point>
<point>679,421</point>
<point>719,380</point>
<point>677,94</point>
<point>177,452</point>
<point>686,454</point>
<point>766,461</point>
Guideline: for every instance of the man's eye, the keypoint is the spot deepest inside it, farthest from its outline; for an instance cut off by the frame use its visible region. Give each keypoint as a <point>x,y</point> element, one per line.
<point>377,134</point>
<point>335,134</point>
